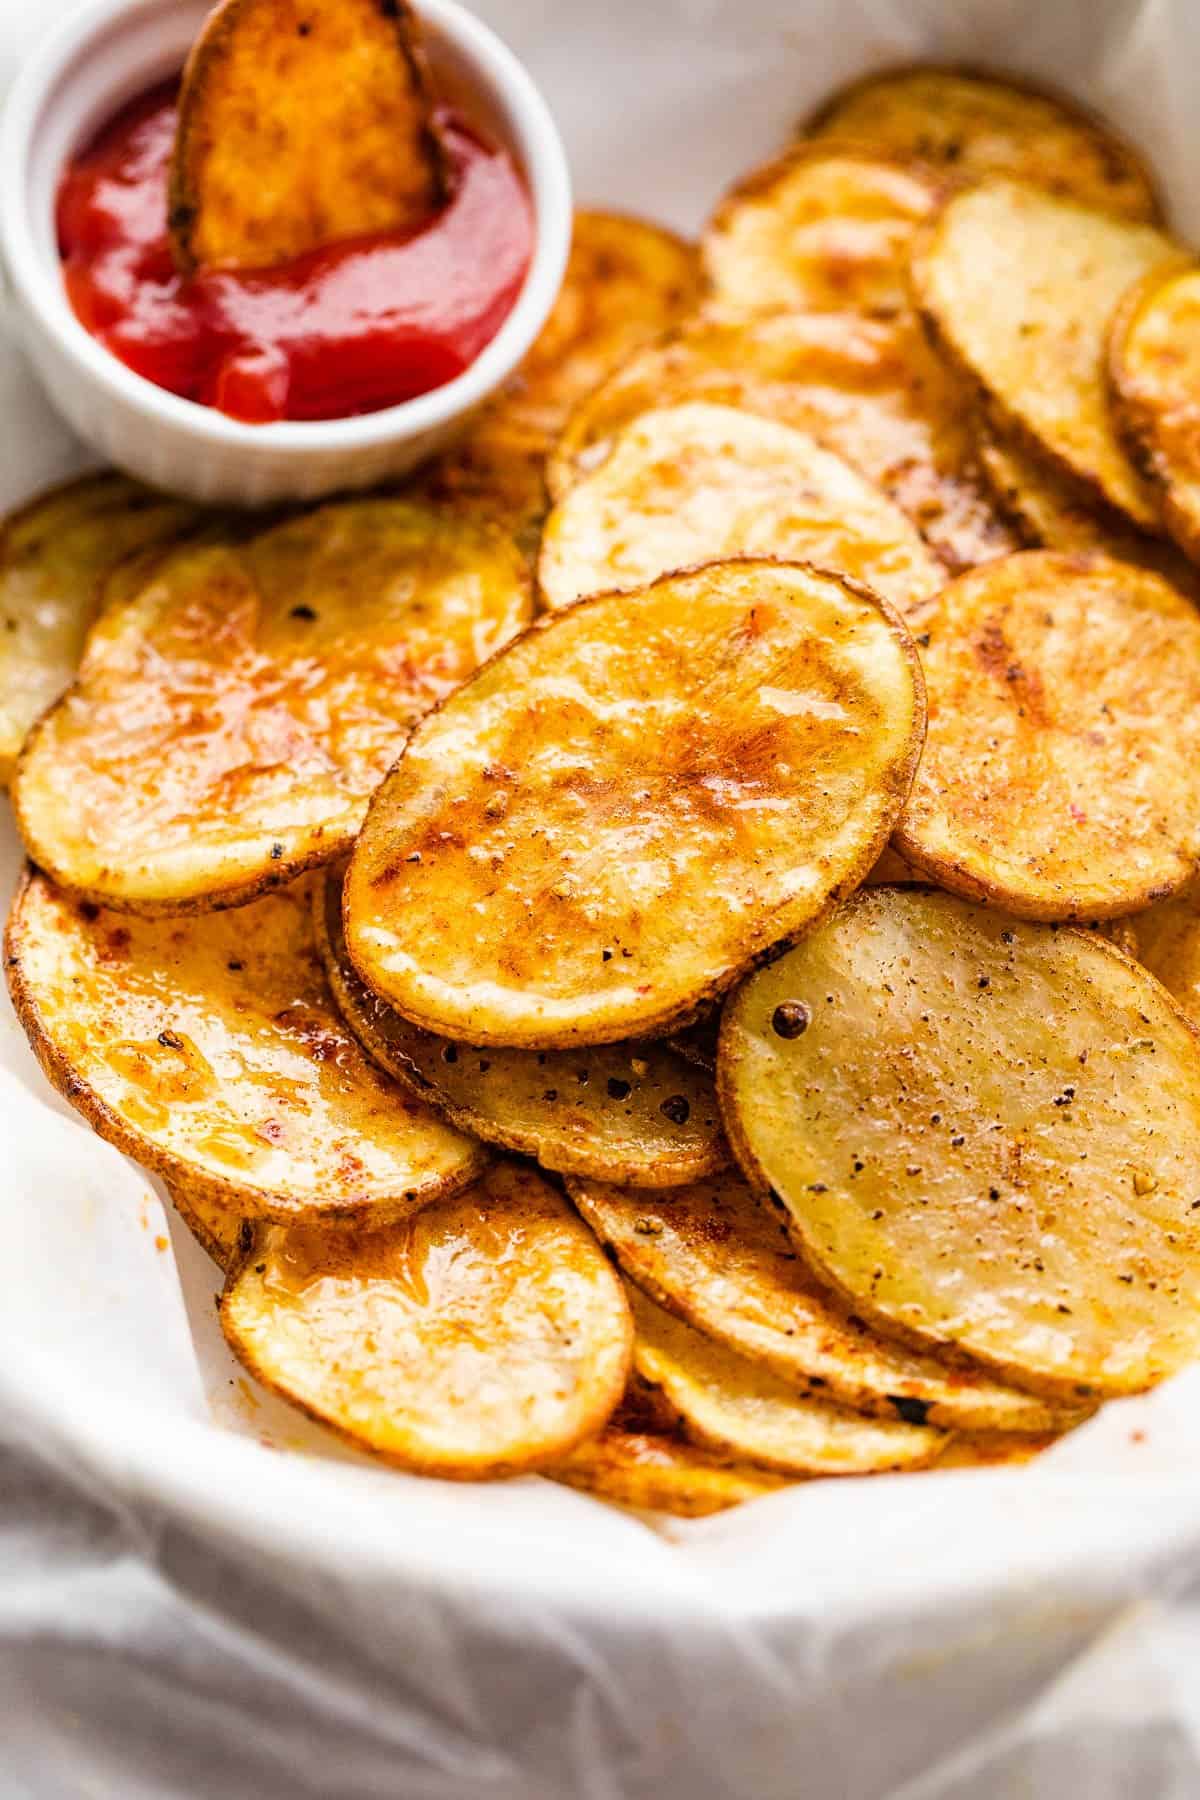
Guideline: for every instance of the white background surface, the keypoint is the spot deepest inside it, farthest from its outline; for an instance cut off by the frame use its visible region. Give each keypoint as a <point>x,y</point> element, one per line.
<point>198,1596</point>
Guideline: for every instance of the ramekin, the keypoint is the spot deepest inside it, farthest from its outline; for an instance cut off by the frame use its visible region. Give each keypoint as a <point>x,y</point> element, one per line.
<point>102,57</point>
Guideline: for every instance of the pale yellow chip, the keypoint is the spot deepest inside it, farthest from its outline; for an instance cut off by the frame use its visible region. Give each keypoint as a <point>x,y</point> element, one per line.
<point>232,719</point>
<point>870,389</point>
<point>732,1405</point>
<point>210,1049</point>
<point>633,803</point>
<point>721,1259</point>
<point>1154,367</point>
<point>1020,288</point>
<point>988,1135</point>
<point>301,122</point>
<point>1050,512</point>
<point>653,1472</point>
<point>968,125</point>
<point>55,557</point>
<point>213,1222</point>
<point>485,1336</point>
<point>694,484</point>
<point>1061,773</point>
<point>822,228</point>
<point>633,1113</point>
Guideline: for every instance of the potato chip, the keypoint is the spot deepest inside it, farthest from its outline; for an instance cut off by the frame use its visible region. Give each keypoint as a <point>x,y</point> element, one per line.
<point>633,803</point>
<point>721,1260</point>
<point>1061,772</point>
<point>1050,511</point>
<point>485,1336</point>
<point>987,1134</point>
<point>729,1404</point>
<point>634,1113</point>
<point>694,484</point>
<point>1019,288</point>
<point>627,282</point>
<point>211,1051</point>
<point>1154,367</point>
<point>1166,940</point>
<point>870,389</point>
<point>892,869</point>
<point>652,1472</point>
<point>822,228</point>
<point>231,720</point>
<point>55,556</point>
<point>697,1043</point>
<point>215,1225</point>
<point>969,125</point>
<point>992,1451</point>
<point>301,122</point>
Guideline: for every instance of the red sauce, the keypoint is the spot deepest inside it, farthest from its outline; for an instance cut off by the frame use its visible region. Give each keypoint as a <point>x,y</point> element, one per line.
<point>346,329</point>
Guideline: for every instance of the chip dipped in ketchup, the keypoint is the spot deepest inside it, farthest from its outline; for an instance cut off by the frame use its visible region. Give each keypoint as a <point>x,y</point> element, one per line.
<point>346,329</point>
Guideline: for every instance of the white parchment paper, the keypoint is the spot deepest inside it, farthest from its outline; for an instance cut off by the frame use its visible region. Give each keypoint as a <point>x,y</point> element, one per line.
<point>290,1619</point>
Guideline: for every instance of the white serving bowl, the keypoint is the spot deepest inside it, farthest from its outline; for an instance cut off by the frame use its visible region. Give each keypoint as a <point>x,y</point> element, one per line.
<point>105,55</point>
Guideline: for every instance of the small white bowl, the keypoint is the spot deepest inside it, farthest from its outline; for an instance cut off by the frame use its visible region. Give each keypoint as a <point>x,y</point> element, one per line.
<point>102,57</point>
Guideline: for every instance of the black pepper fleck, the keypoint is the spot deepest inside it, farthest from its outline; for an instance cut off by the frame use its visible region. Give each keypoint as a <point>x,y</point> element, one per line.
<point>791,1019</point>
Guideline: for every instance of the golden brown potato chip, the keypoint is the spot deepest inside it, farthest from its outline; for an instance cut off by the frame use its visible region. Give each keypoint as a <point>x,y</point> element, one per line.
<point>56,554</point>
<point>698,483</point>
<point>215,1225</point>
<point>730,1404</point>
<point>1166,940</point>
<point>1049,511</point>
<point>992,1451</point>
<point>653,1472</point>
<point>1019,288</point>
<point>870,389</point>
<point>634,1113</point>
<point>301,122</point>
<point>485,1336</point>
<point>891,869</point>
<point>633,803</point>
<point>824,227</point>
<point>987,1134</point>
<point>968,125</point>
<point>721,1259</point>
<point>697,1043</point>
<point>210,1050</point>
<point>627,282</point>
<point>1154,367</point>
<point>1061,773</point>
<point>232,719</point>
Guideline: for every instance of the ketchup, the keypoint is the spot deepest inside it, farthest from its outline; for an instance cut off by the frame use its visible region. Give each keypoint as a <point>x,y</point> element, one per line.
<point>345,329</point>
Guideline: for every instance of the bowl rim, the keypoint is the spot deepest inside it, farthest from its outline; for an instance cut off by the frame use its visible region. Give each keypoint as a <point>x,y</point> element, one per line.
<point>39,292</point>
